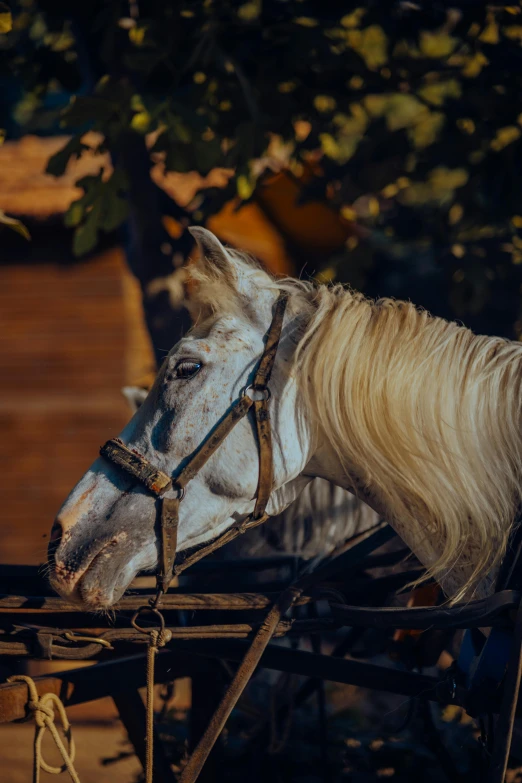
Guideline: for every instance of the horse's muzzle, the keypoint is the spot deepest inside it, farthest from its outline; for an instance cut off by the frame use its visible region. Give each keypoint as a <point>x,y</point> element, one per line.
<point>87,574</point>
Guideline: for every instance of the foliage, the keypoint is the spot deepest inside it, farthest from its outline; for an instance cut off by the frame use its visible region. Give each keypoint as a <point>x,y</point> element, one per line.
<point>6,19</point>
<point>6,220</point>
<point>101,208</point>
<point>407,115</point>
<point>15,224</point>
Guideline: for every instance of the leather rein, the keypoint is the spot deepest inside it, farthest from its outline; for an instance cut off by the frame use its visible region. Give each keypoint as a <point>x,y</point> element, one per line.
<point>158,482</point>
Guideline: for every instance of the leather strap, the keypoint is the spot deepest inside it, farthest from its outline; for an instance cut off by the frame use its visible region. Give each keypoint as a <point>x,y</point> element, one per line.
<point>169,541</point>
<point>238,411</point>
<point>134,463</point>
<point>266,364</point>
<point>264,437</point>
<point>262,411</point>
<point>188,558</point>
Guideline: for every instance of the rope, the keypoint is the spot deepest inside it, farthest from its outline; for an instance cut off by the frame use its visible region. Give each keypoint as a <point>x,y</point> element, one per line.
<point>151,658</point>
<point>157,639</point>
<point>43,709</point>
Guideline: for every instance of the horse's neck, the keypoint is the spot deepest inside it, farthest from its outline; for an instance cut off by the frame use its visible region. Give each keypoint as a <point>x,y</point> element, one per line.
<point>421,418</point>
<point>320,519</point>
<point>325,464</point>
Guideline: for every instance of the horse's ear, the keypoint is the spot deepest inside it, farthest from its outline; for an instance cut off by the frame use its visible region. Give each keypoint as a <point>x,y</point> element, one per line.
<point>135,396</point>
<point>212,278</point>
<point>213,255</point>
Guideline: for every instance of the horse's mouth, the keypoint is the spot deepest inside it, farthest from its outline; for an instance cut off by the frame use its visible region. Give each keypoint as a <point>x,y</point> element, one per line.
<point>93,593</point>
<point>97,584</point>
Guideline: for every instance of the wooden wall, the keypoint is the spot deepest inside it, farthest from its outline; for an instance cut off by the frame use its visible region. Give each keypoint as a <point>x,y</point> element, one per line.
<point>70,338</point>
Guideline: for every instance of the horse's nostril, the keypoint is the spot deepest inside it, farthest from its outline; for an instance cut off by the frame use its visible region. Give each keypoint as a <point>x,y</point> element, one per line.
<point>56,531</point>
<point>54,540</point>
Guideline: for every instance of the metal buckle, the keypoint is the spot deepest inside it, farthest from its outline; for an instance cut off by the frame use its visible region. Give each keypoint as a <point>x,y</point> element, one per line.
<point>179,490</point>
<point>264,391</point>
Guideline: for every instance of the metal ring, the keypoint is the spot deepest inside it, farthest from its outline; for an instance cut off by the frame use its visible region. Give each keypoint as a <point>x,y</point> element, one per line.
<point>72,637</point>
<point>179,490</point>
<point>152,610</point>
<point>257,390</point>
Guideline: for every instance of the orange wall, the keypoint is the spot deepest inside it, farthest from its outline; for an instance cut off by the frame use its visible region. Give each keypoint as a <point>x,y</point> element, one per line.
<point>66,348</point>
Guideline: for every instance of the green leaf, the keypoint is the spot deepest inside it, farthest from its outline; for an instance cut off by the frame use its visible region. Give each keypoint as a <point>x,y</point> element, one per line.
<point>249,11</point>
<point>116,210</point>
<point>6,19</point>
<point>179,130</point>
<point>245,186</point>
<point>86,235</point>
<point>57,163</point>
<point>74,214</point>
<point>141,122</point>
<point>436,44</point>
<point>91,182</point>
<point>437,92</point>
<point>109,208</point>
<point>371,44</point>
<point>15,224</point>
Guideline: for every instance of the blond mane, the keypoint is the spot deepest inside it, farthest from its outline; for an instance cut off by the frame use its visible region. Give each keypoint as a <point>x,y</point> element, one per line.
<point>423,414</point>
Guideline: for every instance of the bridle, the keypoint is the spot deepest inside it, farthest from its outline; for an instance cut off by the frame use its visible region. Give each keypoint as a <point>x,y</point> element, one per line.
<point>158,482</point>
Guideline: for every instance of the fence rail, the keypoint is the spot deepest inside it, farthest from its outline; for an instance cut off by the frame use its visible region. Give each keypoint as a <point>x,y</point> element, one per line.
<point>44,626</point>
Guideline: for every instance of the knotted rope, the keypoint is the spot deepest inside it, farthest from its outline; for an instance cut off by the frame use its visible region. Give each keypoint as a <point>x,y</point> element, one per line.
<point>152,649</point>
<point>157,639</point>
<point>43,709</point>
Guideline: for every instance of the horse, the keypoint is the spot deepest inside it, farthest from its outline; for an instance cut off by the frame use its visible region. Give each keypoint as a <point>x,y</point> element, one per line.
<point>321,518</point>
<point>415,415</point>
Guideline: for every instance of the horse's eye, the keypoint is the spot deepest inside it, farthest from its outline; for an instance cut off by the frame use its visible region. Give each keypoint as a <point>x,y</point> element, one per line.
<point>187,369</point>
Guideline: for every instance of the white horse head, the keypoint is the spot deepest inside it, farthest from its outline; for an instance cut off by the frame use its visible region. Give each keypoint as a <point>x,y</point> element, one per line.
<point>417,415</point>
<point>107,526</point>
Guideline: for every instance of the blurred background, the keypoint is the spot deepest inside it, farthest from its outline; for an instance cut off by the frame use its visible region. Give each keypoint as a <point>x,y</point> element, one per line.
<point>377,144</point>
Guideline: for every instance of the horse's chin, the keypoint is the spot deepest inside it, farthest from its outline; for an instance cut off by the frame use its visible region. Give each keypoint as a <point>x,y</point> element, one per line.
<point>89,595</point>
<point>99,598</point>
<point>105,580</point>
<point>100,589</point>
